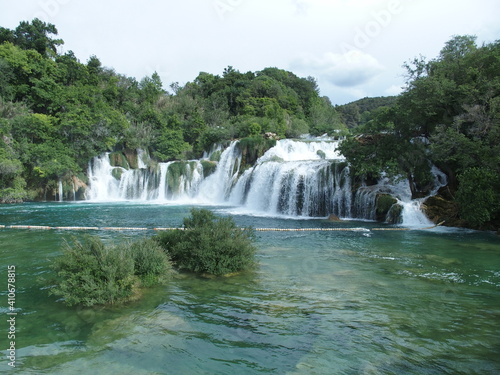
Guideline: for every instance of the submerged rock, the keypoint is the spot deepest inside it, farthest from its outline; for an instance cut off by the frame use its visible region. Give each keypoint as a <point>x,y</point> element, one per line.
<point>333,217</point>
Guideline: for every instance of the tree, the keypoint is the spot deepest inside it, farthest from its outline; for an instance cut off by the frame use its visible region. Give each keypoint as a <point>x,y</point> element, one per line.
<point>478,195</point>
<point>324,118</point>
<point>37,35</point>
<point>449,114</point>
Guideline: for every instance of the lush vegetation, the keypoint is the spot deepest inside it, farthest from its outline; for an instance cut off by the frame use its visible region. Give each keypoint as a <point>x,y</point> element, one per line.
<point>449,115</point>
<point>91,273</point>
<point>210,245</point>
<point>56,113</point>
<point>363,110</point>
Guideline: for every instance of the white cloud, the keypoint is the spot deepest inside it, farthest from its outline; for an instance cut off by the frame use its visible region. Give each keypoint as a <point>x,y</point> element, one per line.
<point>350,69</point>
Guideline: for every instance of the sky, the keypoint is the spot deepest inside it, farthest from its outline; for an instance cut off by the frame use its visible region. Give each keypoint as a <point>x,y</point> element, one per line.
<point>353,48</point>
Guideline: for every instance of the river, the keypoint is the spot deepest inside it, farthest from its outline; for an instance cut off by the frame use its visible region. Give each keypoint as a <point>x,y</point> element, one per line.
<point>369,301</point>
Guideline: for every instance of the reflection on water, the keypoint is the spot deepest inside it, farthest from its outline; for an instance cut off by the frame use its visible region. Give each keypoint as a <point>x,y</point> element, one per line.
<point>389,302</point>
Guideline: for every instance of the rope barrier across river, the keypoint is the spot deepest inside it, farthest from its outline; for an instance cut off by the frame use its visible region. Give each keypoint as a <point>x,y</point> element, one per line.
<point>357,229</point>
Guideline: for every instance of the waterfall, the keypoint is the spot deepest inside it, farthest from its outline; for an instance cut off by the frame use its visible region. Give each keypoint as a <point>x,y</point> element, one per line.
<point>306,178</point>
<point>412,215</point>
<point>60,190</point>
<point>164,182</point>
<point>162,187</point>
<point>296,188</point>
<point>216,187</point>
<point>365,202</point>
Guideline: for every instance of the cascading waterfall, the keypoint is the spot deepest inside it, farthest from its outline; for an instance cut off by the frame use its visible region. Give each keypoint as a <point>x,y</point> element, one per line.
<point>296,179</point>
<point>164,182</point>
<point>60,190</point>
<point>217,186</point>
<point>293,178</point>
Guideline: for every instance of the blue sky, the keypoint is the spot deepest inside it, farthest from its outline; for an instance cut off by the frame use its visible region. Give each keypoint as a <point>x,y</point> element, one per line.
<point>354,48</point>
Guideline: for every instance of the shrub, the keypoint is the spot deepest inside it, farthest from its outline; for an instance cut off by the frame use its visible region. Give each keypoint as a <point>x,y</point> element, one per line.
<point>209,244</point>
<point>151,264</point>
<point>90,273</point>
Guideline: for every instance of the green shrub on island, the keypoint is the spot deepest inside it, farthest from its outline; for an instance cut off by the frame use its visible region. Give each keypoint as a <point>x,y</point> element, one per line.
<point>91,273</point>
<point>210,245</point>
<point>151,264</point>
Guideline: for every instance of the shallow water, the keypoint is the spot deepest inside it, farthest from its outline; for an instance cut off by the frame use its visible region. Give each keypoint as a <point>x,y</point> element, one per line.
<point>343,302</point>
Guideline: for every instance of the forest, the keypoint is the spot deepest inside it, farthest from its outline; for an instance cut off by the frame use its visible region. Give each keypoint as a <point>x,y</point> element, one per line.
<point>56,113</point>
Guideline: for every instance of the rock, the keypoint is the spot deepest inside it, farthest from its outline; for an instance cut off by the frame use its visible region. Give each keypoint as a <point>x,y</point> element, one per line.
<point>270,135</point>
<point>117,159</point>
<point>117,173</point>
<point>394,214</point>
<point>80,188</point>
<point>384,204</point>
<point>439,209</point>
<point>321,154</point>
<point>333,217</point>
<point>209,167</point>
<point>132,158</point>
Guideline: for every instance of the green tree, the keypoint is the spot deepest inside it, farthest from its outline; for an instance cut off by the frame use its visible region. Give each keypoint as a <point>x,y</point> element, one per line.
<point>478,195</point>
<point>324,119</point>
<point>37,35</point>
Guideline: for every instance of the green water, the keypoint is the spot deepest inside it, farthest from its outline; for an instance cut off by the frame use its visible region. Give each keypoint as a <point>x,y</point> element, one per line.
<point>374,302</point>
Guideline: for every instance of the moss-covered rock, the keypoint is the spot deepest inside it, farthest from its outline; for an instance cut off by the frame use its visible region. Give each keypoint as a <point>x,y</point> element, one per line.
<point>117,173</point>
<point>439,209</point>
<point>215,156</point>
<point>321,154</point>
<point>118,159</point>
<point>394,214</point>
<point>383,206</point>
<point>131,157</point>
<point>253,148</point>
<point>209,167</point>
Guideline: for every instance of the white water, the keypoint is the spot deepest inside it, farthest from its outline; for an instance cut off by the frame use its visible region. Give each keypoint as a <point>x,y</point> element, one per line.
<point>60,190</point>
<point>216,188</point>
<point>293,178</point>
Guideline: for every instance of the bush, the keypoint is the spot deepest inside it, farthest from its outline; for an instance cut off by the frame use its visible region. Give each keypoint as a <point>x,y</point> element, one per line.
<point>89,273</point>
<point>210,245</point>
<point>151,264</point>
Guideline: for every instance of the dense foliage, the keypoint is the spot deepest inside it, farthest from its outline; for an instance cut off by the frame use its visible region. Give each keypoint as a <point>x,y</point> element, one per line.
<point>449,115</point>
<point>210,245</point>
<point>363,110</point>
<point>56,113</point>
<point>90,273</point>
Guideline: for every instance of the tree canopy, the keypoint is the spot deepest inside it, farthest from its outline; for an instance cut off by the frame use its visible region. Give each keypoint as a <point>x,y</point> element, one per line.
<point>448,115</point>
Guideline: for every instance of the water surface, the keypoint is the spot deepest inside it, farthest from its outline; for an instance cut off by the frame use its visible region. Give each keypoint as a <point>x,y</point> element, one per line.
<point>343,302</point>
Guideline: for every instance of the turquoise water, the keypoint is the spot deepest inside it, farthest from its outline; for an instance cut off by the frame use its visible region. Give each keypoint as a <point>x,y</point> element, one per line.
<point>371,302</point>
